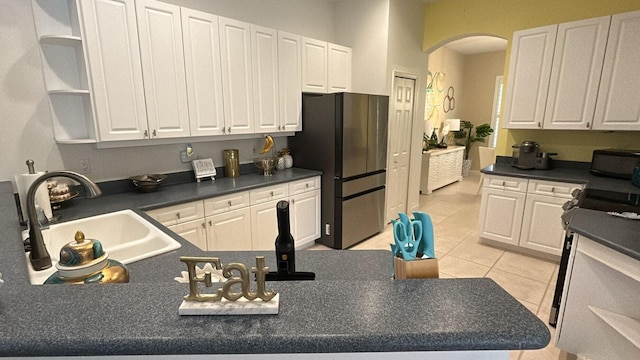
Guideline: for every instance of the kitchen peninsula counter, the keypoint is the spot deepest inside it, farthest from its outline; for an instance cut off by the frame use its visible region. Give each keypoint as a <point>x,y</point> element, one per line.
<point>352,306</point>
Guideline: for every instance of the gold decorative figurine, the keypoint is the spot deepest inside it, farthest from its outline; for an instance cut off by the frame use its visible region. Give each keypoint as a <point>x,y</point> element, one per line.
<point>226,301</point>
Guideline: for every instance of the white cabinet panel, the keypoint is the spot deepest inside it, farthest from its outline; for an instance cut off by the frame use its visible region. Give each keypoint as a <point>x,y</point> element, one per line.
<point>289,81</point>
<point>237,80</point>
<point>575,73</point>
<point>203,71</point>
<point>618,106</point>
<point>160,31</point>
<point>176,214</point>
<point>226,203</point>
<point>339,68</point>
<point>264,226</point>
<point>194,232</point>
<point>314,65</point>
<point>111,37</point>
<point>269,193</point>
<point>529,73</point>
<point>264,58</point>
<point>305,218</point>
<point>541,224</point>
<point>229,231</point>
<point>501,215</point>
<point>599,312</point>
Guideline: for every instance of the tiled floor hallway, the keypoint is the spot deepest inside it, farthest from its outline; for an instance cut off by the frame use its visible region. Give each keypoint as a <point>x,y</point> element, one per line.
<point>454,212</point>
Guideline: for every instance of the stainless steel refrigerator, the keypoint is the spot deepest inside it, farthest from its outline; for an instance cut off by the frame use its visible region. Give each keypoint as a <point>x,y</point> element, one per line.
<point>344,135</point>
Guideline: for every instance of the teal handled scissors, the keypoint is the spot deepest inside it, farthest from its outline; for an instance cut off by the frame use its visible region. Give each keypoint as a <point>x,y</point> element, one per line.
<point>404,234</point>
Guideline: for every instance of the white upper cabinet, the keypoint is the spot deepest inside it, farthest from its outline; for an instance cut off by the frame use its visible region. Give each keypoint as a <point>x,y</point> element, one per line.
<point>528,81</point>
<point>237,80</point>
<point>618,106</point>
<point>160,31</point>
<point>289,81</point>
<point>339,68</point>
<point>575,73</point>
<point>314,65</point>
<point>203,71</point>
<point>579,75</point>
<point>326,67</point>
<point>264,58</point>
<point>116,72</point>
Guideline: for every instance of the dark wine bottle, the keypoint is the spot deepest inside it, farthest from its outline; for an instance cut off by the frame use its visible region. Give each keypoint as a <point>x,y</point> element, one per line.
<point>285,247</point>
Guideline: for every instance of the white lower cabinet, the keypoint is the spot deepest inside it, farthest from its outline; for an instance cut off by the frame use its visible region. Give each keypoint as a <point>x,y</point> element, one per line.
<point>264,226</point>
<point>524,213</point>
<point>194,232</point>
<point>501,214</point>
<point>247,220</point>
<point>305,217</point>
<point>230,230</point>
<point>599,313</point>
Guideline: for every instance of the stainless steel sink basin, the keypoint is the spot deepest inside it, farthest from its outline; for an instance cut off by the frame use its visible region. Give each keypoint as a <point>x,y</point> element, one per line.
<point>125,235</point>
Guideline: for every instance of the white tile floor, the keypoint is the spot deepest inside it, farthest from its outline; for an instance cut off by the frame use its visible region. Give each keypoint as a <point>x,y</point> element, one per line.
<point>454,212</point>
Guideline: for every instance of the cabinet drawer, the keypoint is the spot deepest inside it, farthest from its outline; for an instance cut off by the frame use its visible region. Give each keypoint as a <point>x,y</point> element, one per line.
<point>222,204</point>
<point>552,188</point>
<point>302,186</point>
<point>269,193</point>
<point>178,214</point>
<point>505,183</point>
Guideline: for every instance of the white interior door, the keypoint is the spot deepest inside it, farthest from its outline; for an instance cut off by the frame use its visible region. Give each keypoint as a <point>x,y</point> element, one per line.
<point>399,146</point>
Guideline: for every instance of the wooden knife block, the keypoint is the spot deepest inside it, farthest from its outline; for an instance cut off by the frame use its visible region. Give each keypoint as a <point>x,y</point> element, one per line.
<point>415,269</point>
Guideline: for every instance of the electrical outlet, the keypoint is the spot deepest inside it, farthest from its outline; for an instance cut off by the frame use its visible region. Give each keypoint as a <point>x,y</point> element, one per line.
<point>327,229</point>
<point>85,166</point>
<point>184,157</point>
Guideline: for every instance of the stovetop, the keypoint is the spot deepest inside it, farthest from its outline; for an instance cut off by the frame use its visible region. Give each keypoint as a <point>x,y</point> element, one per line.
<point>604,200</point>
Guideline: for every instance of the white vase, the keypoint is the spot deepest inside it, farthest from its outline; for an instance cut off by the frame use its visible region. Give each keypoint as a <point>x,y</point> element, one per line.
<point>466,167</point>
<point>288,161</point>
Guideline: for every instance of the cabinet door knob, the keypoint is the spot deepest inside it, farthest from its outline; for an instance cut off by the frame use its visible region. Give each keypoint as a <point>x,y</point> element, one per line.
<point>588,123</point>
<point>178,215</point>
<point>293,201</point>
<point>224,131</point>
<point>539,124</point>
<point>146,134</point>
<point>553,189</point>
<point>229,129</point>
<point>210,223</point>
<point>155,133</point>
<point>306,185</point>
<point>203,225</point>
<point>229,203</point>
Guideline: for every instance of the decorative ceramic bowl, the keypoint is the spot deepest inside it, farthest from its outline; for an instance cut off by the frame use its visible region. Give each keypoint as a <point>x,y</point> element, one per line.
<point>147,182</point>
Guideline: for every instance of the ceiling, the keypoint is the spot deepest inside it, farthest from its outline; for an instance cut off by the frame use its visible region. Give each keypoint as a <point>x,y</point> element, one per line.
<point>477,45</point>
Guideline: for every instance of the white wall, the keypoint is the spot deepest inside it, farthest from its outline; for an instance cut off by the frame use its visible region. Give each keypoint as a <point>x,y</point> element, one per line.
<point>25,121</point>
<point>406,18</point>
<point>363,25</point>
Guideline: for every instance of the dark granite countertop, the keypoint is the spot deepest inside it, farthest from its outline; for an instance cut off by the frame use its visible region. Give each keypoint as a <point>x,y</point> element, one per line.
<point>352,306</point>
<point>617,233</point>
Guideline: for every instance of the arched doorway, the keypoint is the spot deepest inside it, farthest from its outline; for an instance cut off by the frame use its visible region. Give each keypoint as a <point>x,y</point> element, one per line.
<point>466,83</point>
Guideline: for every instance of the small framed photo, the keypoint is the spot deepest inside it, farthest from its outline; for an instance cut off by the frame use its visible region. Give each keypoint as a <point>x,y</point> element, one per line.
<point>203,168</point>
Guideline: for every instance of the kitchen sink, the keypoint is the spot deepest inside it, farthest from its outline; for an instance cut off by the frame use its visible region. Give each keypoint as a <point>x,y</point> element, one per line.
<point>126,236</point>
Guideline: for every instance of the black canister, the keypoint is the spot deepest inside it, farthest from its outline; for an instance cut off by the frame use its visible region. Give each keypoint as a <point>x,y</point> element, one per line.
<point>231,163</point>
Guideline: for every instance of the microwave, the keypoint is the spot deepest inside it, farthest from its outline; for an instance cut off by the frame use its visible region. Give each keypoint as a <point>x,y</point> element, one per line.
<point>617,163</point>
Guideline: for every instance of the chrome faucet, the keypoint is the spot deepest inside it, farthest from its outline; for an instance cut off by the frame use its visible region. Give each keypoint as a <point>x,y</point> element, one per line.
<point>39,256</point>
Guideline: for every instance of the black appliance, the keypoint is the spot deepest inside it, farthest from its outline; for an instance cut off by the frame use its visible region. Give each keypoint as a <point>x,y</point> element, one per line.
<point>616,163</point>
<point>594,199</point>
<point>345,136</point>
<point>527,156</point>
<point>285,250</point>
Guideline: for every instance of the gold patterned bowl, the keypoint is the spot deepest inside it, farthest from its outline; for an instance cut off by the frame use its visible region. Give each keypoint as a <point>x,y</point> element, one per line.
<point>266,165</point>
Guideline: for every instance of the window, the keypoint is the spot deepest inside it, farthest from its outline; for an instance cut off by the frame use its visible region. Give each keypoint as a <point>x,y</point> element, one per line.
<point>496,112</point>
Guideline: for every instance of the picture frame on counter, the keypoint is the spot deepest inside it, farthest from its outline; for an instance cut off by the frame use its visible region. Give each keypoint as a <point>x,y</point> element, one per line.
<point>203,168</point>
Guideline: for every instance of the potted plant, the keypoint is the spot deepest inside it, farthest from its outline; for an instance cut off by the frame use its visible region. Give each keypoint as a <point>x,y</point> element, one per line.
<point>466,132</point>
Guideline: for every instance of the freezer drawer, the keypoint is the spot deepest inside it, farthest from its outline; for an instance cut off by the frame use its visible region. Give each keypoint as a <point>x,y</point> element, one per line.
<point>362,217</point>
